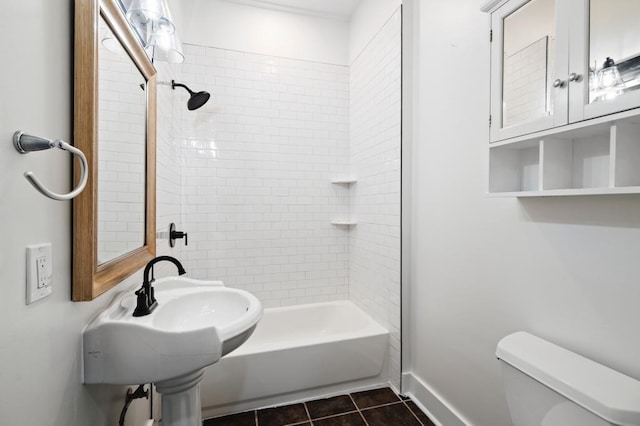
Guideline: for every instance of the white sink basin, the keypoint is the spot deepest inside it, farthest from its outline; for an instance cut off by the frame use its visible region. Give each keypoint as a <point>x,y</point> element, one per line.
<point>195,324</point>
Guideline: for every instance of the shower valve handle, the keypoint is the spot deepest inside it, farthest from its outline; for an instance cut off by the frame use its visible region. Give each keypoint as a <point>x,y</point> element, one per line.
<point>179,234</point>
<point>174,235</point>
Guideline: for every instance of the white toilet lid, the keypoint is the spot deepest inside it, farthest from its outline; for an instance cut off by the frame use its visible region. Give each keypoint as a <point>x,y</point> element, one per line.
<point>605,392</point>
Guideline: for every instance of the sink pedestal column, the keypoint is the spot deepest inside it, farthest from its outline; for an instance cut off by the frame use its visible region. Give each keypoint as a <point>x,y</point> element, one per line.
<point>181,400</point>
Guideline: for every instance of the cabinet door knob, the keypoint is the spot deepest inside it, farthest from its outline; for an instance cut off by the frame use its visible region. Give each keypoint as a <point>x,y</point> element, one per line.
<point>574,77</point>
<point>558,83</point>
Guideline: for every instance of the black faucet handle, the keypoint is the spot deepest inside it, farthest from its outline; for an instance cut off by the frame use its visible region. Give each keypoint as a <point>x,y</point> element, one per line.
<point>152,296</point>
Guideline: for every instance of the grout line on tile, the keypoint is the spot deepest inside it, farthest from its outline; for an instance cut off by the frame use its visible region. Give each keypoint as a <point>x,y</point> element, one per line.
<point>359,412</point>
<point>381,405</point>
<point>411,411</point>
<point>306,409</point>
<point>336,415</point>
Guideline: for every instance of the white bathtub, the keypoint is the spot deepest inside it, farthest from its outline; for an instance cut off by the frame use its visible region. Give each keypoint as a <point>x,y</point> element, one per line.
<point>297,352</point>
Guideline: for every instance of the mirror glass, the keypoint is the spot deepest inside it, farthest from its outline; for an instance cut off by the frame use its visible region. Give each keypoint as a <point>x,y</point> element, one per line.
<point>121,149</point>
<point>614,48</point>
<point>528,62</point>
<point>114,218</point>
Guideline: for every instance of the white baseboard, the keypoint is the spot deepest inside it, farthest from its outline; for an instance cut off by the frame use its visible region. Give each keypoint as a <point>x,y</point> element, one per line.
<point>429,401</point>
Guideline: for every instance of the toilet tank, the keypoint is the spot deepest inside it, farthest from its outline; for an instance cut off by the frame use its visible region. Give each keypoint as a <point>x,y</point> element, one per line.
<point>547,385</point>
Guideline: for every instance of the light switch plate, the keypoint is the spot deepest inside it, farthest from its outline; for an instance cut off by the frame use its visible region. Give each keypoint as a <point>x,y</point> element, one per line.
<point>39,272</point>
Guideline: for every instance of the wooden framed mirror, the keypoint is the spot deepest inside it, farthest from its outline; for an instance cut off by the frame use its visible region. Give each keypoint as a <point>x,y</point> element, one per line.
<point>114,125</point>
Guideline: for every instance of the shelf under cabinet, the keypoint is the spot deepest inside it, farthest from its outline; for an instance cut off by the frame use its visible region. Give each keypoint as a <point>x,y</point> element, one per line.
<point>599,159</point>
<point>567,192</point>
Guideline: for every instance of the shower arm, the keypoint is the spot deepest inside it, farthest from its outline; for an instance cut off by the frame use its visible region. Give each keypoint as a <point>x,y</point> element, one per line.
<point>174,85</point>
<point>24,144</point>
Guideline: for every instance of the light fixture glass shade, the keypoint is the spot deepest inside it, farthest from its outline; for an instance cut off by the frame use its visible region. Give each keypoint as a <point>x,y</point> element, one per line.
<point>609,77</point>
<point>150,16</point>
<point>165,48</point>
<point>113,45</point>
<point>610,84</point>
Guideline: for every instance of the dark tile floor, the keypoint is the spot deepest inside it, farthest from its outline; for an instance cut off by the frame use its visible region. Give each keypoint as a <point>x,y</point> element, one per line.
<point>378,407</point>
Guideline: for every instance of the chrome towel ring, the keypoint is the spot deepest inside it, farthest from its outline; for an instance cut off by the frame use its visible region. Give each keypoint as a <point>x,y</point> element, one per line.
<point>27,143</point>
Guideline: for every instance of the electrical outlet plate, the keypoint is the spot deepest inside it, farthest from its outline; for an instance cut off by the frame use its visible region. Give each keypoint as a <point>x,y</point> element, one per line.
<point>39,272</point>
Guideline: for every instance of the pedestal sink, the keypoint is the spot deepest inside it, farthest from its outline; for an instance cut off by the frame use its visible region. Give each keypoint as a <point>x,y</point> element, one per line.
<point>195,324</point>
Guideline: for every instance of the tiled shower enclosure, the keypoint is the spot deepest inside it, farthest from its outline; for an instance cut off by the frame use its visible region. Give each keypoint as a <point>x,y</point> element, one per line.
<point>256,166</point>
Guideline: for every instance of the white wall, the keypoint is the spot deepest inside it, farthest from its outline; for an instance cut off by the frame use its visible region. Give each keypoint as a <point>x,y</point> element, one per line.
<point>40,343</point>
<point>228,25</point>
<point>565,269</point>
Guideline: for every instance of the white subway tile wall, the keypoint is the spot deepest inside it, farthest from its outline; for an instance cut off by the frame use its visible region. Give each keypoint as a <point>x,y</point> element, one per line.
<point>257,164</point>
<point>169,164</point>
<point>374,146</point>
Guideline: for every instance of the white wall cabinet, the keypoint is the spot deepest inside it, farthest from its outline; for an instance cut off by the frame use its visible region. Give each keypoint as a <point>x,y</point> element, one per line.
<point>565,80</point>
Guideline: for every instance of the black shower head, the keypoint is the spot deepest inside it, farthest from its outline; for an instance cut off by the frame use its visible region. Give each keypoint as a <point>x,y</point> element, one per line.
<point>196,100</point>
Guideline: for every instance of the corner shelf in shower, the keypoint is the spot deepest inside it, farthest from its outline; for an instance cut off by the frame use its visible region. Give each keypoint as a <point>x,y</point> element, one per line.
<point>344,222</point>
<point>344,181</point>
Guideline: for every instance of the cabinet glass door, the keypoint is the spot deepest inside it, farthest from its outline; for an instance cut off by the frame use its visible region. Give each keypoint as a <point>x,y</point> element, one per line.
<point>527,63</point>
<point>614,56</point>
<point>530,97</point>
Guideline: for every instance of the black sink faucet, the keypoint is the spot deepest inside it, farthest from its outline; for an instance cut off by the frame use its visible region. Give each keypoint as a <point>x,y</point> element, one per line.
<point>146,300</point>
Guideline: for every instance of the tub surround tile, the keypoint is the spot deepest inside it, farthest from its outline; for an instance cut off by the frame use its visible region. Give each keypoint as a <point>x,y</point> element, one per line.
<point>375,397</point>
<point>330,406</point>
<point>375,89</point>
<point>255,175</point>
